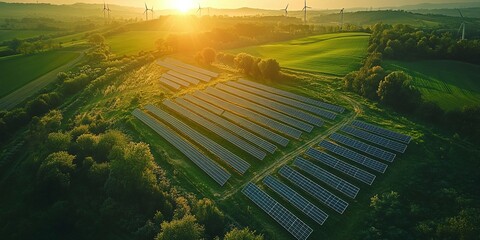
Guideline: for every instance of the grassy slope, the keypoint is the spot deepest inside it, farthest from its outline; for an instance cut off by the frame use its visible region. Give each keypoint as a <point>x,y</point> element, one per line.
<point>451,84</point>
<point>133,42</point>
<point>22,34</point>
<point>335,54</point>
<point>19,70</point>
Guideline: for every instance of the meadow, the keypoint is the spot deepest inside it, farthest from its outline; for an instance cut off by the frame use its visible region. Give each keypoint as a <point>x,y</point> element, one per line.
<point>333,54</point>
<point>6,35</point>
<point>132,42</point>
<point>19,70</point>
<point>451,84</point>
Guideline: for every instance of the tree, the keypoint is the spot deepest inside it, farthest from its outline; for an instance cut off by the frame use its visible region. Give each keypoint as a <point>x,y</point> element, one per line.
<point>58,141</point>
<point>183,229</point>
<point>54,174</point>
<point>243,234</point>
<point>210,216</point>
<point>86,144</point>
<point>395,90</point>
<point>244,62</point>
<point>96,39</point>
<point>269,68</point>
<point>208,55</point>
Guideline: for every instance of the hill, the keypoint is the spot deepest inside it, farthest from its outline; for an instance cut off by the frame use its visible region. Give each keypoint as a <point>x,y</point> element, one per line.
<point>451,84</point>
<point>334,54</point>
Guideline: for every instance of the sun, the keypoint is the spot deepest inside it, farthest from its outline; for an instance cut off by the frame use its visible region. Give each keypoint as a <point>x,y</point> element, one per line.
<point>184,5</point>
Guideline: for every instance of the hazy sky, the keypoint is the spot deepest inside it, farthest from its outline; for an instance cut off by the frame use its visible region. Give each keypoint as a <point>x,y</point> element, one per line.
<point>267,4</point>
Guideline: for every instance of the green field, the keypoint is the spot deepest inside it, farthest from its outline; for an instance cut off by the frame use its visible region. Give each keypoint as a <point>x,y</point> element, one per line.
<point>335,54</point>
<point>19,70</point>
<point>133,42</point>
<point>6,35</point>
<point>451,84</point>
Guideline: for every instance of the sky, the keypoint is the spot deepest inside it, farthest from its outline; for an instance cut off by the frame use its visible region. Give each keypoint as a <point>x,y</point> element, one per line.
<point>265,4</point>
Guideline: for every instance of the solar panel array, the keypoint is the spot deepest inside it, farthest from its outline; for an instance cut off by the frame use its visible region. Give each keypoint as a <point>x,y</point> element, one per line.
<point>287,110</point>
<point>307,107</point>
<point>312,188</point>
<point>191,67</point>
<point>382,131</point>
<point>363,147</point>
<point>189,79</point>
<point>341,166</point>
<point>390,144</point>
<point>279,213</point>
<point>293,96</point>
<point>222,153</point>
<point>260,109</point>
<point>354,156</point>
<point>268,122</point>
<point>228,125</point>
<point>176,80</point>
<point>217,173</point>
<point>323,175</point>
<point>203,104</point>
<point>184,71</point>
<point>245,146</point>
<point>296,199</point>
<point>170,83</point>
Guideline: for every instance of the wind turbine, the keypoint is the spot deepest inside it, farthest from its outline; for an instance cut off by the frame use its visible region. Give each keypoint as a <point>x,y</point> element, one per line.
<point>151,10</point>
<point>146,12</point>
<point>341,19</point>
<point>104,11</point>
<point>305,11</point>
<point>108,12</point>
<point>286,10</point>
<point>462,26</point>
<point>199,10</point>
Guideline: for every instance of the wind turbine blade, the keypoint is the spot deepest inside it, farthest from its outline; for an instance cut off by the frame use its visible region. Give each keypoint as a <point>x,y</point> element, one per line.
<point>460,13</point>
<point>287,6</point>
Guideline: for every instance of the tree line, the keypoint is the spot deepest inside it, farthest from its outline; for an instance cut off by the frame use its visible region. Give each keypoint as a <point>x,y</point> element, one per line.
<point>395,89</point>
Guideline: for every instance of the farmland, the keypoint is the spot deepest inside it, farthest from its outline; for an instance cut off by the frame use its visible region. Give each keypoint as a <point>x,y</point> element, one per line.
<point>19,70</point>
<point>334,54</point>
<point>451,84</point>
<point>132,42</point>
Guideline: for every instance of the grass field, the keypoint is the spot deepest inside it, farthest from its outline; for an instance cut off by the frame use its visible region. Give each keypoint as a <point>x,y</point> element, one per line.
<point>451,84</point>
<point>133,42</point>
<point>6,35</point>
<point>335,54</point>
<point>19,70</point>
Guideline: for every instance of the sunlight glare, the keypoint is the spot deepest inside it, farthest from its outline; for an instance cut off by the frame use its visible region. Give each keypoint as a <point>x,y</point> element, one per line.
<point>184,5</point>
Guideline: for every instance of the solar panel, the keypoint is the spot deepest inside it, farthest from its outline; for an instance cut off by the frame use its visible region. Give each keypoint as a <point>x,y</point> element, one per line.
<point>240,143</point>
<point>268,122</point>
<point>189,79</point>
<point>223,154</point>
<point>169,83</point>
<point>323,175</point>
<point>307,107</point>
<point>204,104</point>
<point>287,110</point>
<point>228,125</point>
<point>176,80</point>
<point>382,131</point>
<point>260,109</point>
<point>354,156</point>
<point>279,213</point>
<point>296,199</point>
<point>191,67</point>
<point>184,71</point>
<point>320,193</point>
<point>217,173</point>
<point>293,96</point>
<point>390,144</point>
<point>361,146</point>
<point>341,166</point>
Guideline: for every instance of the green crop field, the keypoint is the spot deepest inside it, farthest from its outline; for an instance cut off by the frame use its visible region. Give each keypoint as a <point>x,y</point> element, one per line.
<point>6,35</point>
<point>335,54</point>
<point>451,84</point>
<point>19,70</point>
<point>133,41</point>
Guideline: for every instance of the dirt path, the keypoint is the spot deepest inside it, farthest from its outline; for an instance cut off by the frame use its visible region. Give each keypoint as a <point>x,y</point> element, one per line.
<point>356,109</point>
<point>15,98</point>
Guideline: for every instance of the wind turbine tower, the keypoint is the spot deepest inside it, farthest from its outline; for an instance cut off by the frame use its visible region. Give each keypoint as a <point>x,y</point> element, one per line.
<point>462,25</point>
<point>305,12</point>
<point>146,12</point>
<point>341,19</point>
<point>105,11</point>
<point>108,12</point>
<point>199,10</point>
<point>286,10</point>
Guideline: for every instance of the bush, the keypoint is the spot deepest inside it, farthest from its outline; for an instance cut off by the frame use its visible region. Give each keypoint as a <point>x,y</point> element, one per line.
<point>58,141</point>
<point>208,55</point>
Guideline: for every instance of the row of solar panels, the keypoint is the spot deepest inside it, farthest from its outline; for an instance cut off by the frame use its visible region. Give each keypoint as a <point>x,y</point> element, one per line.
<point>314,189</point>
<point>182,74</point>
